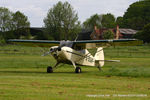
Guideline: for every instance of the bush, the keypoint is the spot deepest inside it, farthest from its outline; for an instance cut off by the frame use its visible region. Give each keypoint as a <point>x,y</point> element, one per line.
<point>2,40</point>
<point>144,34</point>
<point>108,34</point>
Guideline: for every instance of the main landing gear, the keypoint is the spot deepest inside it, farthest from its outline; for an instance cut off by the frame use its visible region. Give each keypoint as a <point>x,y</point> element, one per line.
<point>49,69</point>
<point>78,70</point>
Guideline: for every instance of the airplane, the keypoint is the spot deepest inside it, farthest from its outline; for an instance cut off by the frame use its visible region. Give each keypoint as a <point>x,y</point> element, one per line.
<point>75,52</point>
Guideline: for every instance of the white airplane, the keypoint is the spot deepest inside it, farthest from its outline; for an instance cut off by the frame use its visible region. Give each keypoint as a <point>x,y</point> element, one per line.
<point>75,52</point>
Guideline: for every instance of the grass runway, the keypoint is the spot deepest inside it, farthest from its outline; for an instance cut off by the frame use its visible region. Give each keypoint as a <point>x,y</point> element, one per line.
<point>23,76</point>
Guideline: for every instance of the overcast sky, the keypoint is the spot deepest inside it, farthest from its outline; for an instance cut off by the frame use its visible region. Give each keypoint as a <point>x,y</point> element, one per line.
<point>36,10</point>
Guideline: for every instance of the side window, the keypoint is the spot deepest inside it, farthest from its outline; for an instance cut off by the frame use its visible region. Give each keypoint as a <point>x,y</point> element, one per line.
<point>77,47</point>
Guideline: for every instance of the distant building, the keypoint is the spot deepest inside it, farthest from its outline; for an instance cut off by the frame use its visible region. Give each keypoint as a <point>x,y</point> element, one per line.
<point>127,33</point>
<point>85,34</point>
<point>97,34</point>
<point>36,30</point>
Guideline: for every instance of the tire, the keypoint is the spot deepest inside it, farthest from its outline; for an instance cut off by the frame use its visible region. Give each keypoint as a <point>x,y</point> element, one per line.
<point>78,70</point>
<point>49,69</point>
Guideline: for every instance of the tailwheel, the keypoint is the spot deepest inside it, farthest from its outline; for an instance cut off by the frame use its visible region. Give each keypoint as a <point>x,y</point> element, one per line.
<point>49,69</point>
<point>78,70</point>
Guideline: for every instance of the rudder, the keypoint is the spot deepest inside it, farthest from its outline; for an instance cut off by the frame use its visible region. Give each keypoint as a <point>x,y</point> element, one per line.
<point>99,56</point>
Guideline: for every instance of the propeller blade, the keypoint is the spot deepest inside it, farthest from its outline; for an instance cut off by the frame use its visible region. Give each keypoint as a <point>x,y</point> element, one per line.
<point>46,53</point>
<point>52,50</point>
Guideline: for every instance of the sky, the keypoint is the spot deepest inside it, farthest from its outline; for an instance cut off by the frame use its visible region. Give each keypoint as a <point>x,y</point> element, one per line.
<point>36,10</point>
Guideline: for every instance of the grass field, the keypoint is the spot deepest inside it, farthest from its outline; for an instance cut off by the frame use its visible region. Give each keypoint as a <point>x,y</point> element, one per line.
<point>23,76</point>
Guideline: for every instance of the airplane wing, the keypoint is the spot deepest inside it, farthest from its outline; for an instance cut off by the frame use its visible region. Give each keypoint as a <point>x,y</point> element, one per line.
<point>88,44</point>
<point>40,43</point>
<point>78,45</point>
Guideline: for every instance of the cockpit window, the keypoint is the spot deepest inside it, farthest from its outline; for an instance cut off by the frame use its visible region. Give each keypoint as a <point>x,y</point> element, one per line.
<point>66,44</point>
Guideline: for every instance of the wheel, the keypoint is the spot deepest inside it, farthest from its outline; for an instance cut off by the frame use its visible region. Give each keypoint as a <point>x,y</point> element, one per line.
<point>49,69</point>
<point>78,70</point>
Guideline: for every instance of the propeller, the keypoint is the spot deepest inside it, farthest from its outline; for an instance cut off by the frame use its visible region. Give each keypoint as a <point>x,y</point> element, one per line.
<point>62,44</point>
<point>46,53</point>
<point>51,51</point>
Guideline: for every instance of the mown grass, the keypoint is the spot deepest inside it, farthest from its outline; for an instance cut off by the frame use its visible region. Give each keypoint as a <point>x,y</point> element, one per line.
<point>134,60</point>
<point>23,75</point>
<point>63,86</point>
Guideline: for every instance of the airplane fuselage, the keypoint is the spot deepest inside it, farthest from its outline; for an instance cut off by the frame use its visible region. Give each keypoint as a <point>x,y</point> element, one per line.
<point>69,55</point>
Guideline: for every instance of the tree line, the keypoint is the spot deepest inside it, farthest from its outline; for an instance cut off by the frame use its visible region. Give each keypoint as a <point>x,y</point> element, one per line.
<point>12,21</point>
<point>62,22</point>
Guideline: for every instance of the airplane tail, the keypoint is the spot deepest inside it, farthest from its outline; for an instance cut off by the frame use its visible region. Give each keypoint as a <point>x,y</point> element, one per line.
<point>99,56</point>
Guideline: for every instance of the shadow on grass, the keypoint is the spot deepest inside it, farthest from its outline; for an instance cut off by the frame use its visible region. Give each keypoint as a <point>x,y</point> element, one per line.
<point>22,72</point>
<point>38,72</point>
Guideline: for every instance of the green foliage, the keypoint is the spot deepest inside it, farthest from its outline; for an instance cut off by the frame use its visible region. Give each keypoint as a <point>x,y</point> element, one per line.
<point>5,19</point>
<point>21,25</point>
<point>105,20</point>
<point>2,40</point>
<point>108,20</point>
<point>13,25</point>
<point>119,22</point>
<point>137,15</point>
<point>20,20</point>
<point>9,35</point>
<point>62,22</point>
<point>108,35</point>
<point>94,20</point>
<point>144,34</point>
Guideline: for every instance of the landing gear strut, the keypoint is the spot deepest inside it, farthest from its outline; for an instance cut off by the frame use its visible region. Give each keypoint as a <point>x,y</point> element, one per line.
<point>99,67</point>
<point>77,69</point>
<point>50,69</point>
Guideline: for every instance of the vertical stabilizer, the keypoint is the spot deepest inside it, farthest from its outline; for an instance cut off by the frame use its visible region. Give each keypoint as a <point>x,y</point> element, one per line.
<point>99,56</point>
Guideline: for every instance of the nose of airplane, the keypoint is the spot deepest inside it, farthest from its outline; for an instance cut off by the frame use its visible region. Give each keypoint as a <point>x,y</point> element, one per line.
<point>59,49</point>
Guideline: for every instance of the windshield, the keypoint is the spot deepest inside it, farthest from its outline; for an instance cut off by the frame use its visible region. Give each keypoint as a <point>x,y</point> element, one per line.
<point>66,44</point>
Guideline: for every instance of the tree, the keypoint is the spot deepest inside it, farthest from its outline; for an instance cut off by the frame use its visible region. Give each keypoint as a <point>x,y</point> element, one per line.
<point>5,19</point>
<point>13,25</point>
<point>20,24</point>
<point>104,20</point>
<point>94,20</point>
<point>119,21</point>
<point>108,21</point>
<point>20,20</point>
<point>62,22</point>
<point>137,15</point>
<point>5,22</point>
<point>108,35</point>
<point>144,34</point>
